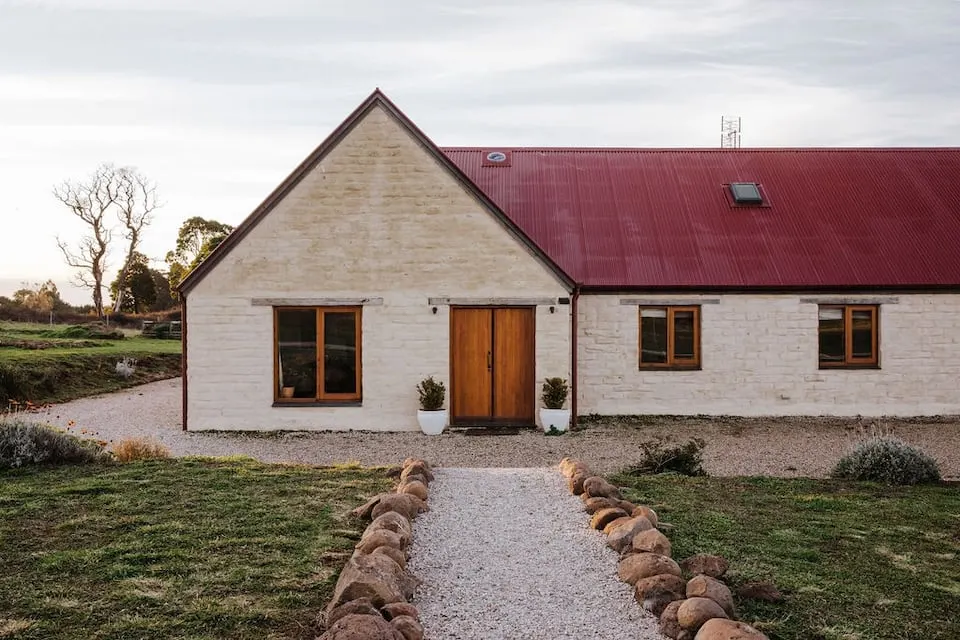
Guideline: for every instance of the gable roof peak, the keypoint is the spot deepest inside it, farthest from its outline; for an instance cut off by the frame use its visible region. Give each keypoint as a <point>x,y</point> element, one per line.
<point>376,98</point>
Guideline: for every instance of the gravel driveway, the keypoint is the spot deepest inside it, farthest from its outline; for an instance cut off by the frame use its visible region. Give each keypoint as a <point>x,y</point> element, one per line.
<point>508,553</point>
<point>775,446</point>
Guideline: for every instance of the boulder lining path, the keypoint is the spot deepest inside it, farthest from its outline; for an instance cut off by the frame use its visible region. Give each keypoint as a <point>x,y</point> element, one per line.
<point>508,553</point>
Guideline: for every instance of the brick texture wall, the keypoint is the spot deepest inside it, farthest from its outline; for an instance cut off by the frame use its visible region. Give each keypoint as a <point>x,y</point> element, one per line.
<point>759,356</point>
<point>381,218</point>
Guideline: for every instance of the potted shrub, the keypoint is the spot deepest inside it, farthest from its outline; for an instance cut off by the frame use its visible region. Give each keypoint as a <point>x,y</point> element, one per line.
<point>431,415</point>
<point>553,416</point>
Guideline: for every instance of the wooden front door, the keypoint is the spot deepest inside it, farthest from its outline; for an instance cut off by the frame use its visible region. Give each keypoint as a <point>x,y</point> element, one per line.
<point>492,366</point>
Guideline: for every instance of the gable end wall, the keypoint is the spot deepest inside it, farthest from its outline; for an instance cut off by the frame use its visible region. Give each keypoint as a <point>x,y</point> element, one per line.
<point>378,217</point>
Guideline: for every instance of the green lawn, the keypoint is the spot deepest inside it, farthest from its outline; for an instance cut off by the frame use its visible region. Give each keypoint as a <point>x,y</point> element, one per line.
<point>857,561</point>
<point>66,368</point>
<point>183,548</point>
<point>62,345</point>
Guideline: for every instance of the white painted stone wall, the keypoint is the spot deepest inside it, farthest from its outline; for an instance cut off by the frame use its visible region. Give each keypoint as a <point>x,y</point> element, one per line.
<point>759,356</point>
<point>378,217</point>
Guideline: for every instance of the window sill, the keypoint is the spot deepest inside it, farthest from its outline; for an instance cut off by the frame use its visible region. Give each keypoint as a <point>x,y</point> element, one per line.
<point>338,403</point>
<point>671,367</point>
<point>845,367</point>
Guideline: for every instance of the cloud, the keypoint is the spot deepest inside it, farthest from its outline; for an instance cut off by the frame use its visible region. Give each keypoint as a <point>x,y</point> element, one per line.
<point>218,100</point>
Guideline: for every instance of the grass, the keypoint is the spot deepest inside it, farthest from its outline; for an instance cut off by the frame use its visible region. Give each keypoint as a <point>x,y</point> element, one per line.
<point>189,548</point>
<point>67,368</point>
<point>61,344</point>
<point>857,561</point>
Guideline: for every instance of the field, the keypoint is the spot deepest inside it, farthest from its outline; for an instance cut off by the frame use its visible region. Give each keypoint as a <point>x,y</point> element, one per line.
<point>856,561</point>
<point>185,548</point>
<point>43,363</point>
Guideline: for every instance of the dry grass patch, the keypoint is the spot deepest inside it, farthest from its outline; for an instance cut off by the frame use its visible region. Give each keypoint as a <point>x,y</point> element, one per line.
<point>9,627</point>
<point>133,449</point>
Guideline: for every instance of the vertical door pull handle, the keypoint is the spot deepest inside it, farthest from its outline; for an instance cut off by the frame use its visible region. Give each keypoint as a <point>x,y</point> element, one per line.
<point>489,361</point>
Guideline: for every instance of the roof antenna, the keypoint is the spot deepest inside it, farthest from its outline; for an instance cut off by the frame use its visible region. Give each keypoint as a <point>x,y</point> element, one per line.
<point>729,132</point>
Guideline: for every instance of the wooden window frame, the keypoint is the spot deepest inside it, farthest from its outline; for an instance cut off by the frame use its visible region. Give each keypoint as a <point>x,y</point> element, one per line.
<point>850,362</point>
<point>320,397</point>
<point>672,363</point>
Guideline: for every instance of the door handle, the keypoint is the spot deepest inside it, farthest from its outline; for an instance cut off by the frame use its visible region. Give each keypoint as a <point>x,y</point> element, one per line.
<point>489,361</point>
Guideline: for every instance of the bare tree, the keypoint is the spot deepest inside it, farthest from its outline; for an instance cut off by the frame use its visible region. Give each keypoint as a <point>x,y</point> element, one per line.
<point>123,191</point>
<point>90,201</point>
<point>136,200</point>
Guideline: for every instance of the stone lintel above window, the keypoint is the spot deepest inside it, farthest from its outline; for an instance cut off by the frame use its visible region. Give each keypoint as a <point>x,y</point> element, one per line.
<point>316,302</point>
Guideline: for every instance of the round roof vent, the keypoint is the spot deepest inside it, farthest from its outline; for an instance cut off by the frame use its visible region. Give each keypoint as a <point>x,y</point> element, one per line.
<point>496,156</point>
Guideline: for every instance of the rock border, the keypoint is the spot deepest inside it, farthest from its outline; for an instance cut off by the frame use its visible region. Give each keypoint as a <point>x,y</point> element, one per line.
<point>701,608</point>
<point>372,596</point>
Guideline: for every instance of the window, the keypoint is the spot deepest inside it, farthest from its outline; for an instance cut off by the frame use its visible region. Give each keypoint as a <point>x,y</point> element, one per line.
<point>670,337</point>
<point>848,336</point>
<point>746,193</point>
<point>317,354</point>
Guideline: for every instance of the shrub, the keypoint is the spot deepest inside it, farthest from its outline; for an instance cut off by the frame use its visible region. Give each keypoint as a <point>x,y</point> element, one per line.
<point>431,393</point>
<point>657,456</point>
<point>173,314</point>
<point>92,331</point>
<point>554,393</point>
<point>12,384</point>
<point>133,449</point>
<point>24,443</point>
<point>888,459</point>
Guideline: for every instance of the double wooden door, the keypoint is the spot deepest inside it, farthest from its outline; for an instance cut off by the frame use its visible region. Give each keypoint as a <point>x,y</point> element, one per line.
<point>492,366</point>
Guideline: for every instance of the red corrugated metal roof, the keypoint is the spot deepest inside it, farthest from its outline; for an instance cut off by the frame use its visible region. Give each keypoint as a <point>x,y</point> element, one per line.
<point>662,218</point>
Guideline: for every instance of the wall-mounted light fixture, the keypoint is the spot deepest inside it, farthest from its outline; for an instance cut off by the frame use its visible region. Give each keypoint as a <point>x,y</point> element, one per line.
<point>434,311</point>
<point>552,309</point>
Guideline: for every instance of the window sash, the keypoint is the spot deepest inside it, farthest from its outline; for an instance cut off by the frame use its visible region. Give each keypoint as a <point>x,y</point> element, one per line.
<point>673,361</point>
<point>320,394</point>
<point>850,360</point>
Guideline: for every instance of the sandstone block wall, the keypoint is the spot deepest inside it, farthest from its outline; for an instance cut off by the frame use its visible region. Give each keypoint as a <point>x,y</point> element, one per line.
<point>377,218</point>
<point>760,357</point>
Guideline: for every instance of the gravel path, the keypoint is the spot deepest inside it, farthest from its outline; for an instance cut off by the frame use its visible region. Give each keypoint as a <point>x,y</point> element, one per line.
<point>780,447</point>
<point>508,553</point>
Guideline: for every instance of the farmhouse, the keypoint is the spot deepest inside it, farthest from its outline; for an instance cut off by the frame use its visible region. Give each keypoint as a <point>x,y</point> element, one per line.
<point>658,281</point>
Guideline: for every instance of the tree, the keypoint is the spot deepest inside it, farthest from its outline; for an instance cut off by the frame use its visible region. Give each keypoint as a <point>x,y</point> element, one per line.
<point>195,240</point>
<point>109,190</point>
<point>42,297</point>
<point>136,200</point>
<point>134,290</point>
<point>161,286</point>
<point>175,276</point>
<point>90,201</point>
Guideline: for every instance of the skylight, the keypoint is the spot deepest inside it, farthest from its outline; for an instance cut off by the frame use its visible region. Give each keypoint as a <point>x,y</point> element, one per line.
<point>496,158</point>
<point>746,193</point>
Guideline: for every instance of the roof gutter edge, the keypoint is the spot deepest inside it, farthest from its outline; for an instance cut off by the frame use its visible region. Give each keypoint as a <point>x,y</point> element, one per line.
<point>770,289</point>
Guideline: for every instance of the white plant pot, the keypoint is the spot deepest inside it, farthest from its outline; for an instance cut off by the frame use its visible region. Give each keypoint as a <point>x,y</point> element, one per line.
<point>432,422</point>
<point>558,419</point>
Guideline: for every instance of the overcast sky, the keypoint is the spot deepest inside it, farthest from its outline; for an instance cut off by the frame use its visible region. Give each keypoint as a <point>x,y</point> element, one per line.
<point>218,100</point>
